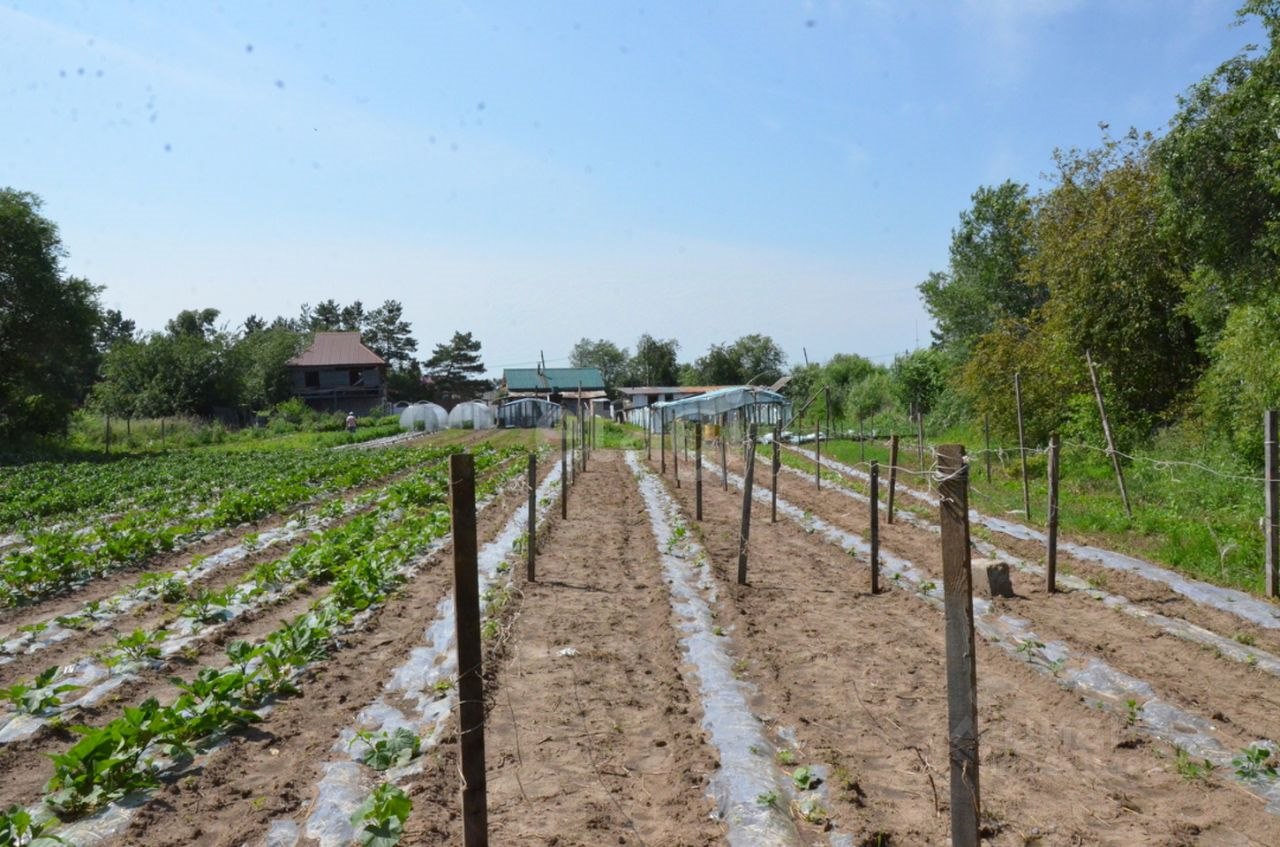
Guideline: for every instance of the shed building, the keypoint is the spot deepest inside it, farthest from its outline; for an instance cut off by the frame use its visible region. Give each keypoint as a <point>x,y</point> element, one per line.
<point>571,388</point>
<point>337,373</point>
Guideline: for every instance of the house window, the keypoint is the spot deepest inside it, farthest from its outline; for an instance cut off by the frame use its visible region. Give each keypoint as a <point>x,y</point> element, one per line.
<point>312,379</point>
<point>354,376</point>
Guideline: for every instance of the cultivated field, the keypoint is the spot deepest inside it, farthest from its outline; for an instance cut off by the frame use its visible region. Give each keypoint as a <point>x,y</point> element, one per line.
<point>260,650</point>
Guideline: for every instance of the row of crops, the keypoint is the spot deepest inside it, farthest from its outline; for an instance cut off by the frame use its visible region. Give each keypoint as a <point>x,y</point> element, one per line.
<point>173,500</point>
<point>358,562</point>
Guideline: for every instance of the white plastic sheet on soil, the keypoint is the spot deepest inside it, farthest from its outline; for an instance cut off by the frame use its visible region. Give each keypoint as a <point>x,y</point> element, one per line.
<point>346,783</point>
<point>1108,687</point>
<point>1238,603</point>
<point>747,769</point>
<point>1186,630</point>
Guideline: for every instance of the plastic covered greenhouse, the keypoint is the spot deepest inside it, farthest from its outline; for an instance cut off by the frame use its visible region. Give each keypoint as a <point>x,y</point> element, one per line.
<point>424,417</point>
<point>529,412</point>
<point>731,405</point>
<point>471,415</point>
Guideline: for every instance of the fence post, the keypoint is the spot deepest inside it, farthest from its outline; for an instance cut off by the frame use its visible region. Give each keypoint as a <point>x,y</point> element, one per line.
<point>920,440</point>
<point>1055,456</point>
<point>962,673</point>
<point>777,465</point>
<point>662,441</point>
<point>893,475</point>
<point>745,532</point>
<point>1273,505</point>
<point>564,467</point>
<point>1106,430</point>
<point>986,432</point>
<point>466,595</point>
<point>875,527</point>
<point>697,472</point>
<point>106,436</point>
<point>531,536</point>
<point>817,456</point>
<point>1022,446</point>
<point>724,451</point>
<point>675,450</point>
<point>862,442</point>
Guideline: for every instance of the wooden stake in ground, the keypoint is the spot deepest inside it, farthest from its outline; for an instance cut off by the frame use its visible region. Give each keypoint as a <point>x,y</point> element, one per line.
<point>697,472</point>
<point>564,468</point>
<point>582,430</point>
<point>1106,430</point>
<point>875,527</point>
<point>920,440</point>
<point>745,532</point>
<point>1272,503</point>
<point>962,672</point>
<point>777,465</point>
<point>826,401</point>
<point>675,450</point>
<point>466,596</point>
<point>1022,447</point>
<point>986,434</point>
<point>862,442</point>
<point>1055,457</point>
<point>893,475</point>
<point>106,434</point>
<point>724,452</point>
<point>817,456</point>
<point>662,441</point>
<point>531,535</point>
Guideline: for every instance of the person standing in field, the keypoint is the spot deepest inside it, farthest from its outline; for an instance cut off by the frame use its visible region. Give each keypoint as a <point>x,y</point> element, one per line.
<point>351,422</point>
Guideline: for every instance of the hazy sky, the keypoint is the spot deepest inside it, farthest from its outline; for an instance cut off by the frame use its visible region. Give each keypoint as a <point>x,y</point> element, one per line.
<point>536,172</point>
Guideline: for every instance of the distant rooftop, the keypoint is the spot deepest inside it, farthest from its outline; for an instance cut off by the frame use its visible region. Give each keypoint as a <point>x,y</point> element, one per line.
<point>336,349</point>
<point>554,380</point>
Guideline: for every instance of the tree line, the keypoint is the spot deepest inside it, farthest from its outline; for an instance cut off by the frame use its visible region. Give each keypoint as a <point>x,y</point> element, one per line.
<point>1156,255</point>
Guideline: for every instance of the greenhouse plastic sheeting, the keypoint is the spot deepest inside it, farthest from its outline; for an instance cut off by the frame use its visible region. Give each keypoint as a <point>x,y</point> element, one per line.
<point>427,417</point>
<point>528,412</point>
<point>472,415</point>
<point>709,406</point>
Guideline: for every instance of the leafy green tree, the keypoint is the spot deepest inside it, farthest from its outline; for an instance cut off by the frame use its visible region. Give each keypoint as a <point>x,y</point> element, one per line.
<point>48,323</point>
<point>754,359</point>
<point>918,377</point>
<point>258,363</point>
<point>1116,275</point>
<point>1221,168</point>
<point>1244,379</point>
<point>986,281</point>
<point>654,362</point>
<point>455,369</point>
<point>611,360</point>
<point>113,328</point>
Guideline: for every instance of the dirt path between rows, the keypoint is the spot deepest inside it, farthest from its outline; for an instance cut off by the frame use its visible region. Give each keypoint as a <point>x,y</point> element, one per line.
<point>592,737</point>
<point>861,678</point>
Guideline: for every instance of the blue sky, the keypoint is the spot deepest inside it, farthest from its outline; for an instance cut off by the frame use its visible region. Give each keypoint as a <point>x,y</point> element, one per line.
<point>539,172</point>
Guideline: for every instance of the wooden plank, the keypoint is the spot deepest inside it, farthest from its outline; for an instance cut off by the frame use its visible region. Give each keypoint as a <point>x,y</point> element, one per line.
<point>744,532</point>
<point>777,466</point>
<point>875,527</point>
<point>531,534</point>
<point>466,595</point>
<point>1055,457</point>
<point>697,472</point>
<point>1106,431</point>
<point>1272,499</point>
<point>1022,446</point>
<point>724,452</point>
<point>893,475</point>
<point>962,672</point>
<point>817,456</point>
<point>564,467</point>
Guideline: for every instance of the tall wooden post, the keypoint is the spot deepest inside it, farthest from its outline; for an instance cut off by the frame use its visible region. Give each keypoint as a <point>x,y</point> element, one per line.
<point>893,475</point>
<point>582,430</point>
<point>826,401</point>
<point>724,451</point>
<point>962,672</point>
<point>744,533</point>
<point>986,434</point>
<point>531,535</point>
<point>564,467</point>
<point>875,527</point>
<point>817,456</point>
<point>106,434</point>
<point>1272,503</point>
<point>697,471</point>
<point>466,596</point>
<point>1106,430</point>
<point>1022,446</point>
<point>777,465</point>
<point>675,450</point>
<point>162,438</point>
<point>1055,457</point>
<point>662,441</point>
<point>862,442</point>
<point>648,437</point>
<point>920,440</point>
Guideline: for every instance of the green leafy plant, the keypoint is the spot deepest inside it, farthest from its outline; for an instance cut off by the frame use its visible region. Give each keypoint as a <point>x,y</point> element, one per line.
<point>1255,762</point>
<point>38,697</point>
<point>804,778</point>
<point>768,799</point>
<point>388,750</point>
<point>380,819</point>
<point>20,827</point>
<point>138,646</point>
<point>1132,711</point>
<point>786,757</point>
<point>1188,768</point>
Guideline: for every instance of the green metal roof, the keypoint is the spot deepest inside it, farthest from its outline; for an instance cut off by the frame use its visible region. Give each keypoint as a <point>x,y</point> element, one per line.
<point>553,379</point>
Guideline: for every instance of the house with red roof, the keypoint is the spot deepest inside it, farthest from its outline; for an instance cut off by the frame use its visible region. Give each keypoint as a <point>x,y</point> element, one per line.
<point>337,373</point>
